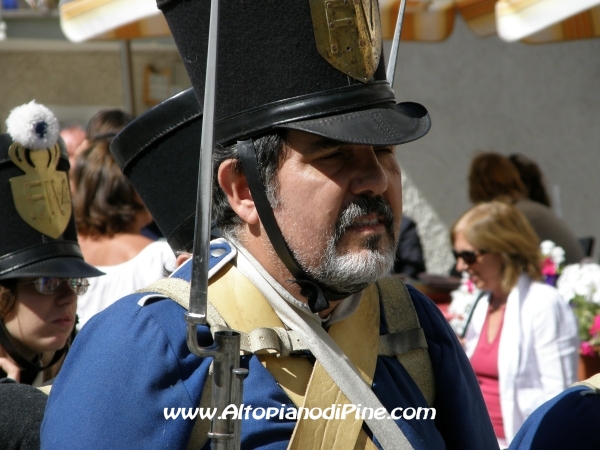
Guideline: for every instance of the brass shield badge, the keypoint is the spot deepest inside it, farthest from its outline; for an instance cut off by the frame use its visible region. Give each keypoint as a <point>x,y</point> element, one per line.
<point>348,35</point>
<point>41,196</point>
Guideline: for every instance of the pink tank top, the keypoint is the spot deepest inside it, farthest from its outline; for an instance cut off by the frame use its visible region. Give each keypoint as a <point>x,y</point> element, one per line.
<point>485,365</point>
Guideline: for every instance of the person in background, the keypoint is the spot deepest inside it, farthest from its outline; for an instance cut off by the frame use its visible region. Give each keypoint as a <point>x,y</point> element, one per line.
<point>110,216</point>
<point>42,270</point>
<point>73,136</point>
<point>104,125</point>
<point>493,177</point>
<point>522,338</point>
<point>532,177</point>
<point>409,253</point>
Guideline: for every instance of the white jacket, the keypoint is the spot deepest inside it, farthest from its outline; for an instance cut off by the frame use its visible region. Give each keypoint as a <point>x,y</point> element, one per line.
<point>537,354</point>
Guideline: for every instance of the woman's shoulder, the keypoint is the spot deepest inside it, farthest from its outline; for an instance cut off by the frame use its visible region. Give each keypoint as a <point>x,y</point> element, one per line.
<point>542,298</point>
<point>158,247</point>
<point>543,292</point>
<point>104,252</point>
<point>156,254</point>
<point>158,251</point>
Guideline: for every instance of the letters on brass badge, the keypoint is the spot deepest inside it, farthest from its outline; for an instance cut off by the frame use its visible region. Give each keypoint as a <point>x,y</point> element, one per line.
<point>41,196</point>
<point>348,35</point>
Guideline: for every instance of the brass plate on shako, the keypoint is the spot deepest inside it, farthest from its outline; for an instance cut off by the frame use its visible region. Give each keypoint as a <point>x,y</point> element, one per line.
<point>41,196</point>
<point>348,35</point>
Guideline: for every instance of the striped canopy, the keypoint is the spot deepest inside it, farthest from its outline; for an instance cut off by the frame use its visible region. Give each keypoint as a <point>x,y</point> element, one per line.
<point>528,20</point>
<point>82,20</point>
<point>548,20</point>
<point>425,20</point>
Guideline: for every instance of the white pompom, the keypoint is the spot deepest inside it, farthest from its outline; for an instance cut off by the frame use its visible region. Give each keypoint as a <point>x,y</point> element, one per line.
<point>33,126</point>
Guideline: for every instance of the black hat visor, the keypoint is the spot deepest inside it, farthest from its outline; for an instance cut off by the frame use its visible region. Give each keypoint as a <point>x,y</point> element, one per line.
<point>399,124</point>
<point>33,263</point>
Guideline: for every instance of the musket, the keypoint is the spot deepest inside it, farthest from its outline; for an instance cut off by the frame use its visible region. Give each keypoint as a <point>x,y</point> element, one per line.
<point>391,70</point>
<point>228,377</point>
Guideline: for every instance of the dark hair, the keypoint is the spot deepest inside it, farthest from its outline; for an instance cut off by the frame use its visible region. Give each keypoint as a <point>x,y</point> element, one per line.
<point>105,201</point>
<point>532,178</point>
<point>270,157</point>
<point>8,297</point>
<point>493,177</point>
<point>106,124</point>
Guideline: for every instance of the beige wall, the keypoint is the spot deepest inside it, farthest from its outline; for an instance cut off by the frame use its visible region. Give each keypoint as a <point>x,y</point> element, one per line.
<point>485,94</point>
<point>80,75</point>
<point>542,100</point>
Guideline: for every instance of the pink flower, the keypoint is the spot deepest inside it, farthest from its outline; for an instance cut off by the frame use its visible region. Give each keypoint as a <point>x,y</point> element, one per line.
<point>595,328</point>
<point>470,286</point>
<point>548,267</point>
<point>587,349</point>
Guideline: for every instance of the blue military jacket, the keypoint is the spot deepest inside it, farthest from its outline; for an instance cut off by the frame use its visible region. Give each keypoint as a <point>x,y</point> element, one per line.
<point>130,363</point>
<point>569,420</point>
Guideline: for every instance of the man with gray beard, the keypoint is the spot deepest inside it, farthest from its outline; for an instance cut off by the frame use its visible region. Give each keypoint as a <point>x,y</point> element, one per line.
<point>307,195</point>
<point>338,206</point>
<point>351,272</point>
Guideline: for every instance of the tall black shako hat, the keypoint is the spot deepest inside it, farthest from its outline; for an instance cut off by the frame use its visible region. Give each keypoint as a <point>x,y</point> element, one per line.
<point>159,153</point>
<point>37,231</point>
<point>311,65</point>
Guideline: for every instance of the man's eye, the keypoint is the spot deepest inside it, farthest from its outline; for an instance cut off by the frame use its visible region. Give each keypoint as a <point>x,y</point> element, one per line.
<point>386,150</point>
<point>332,155</point>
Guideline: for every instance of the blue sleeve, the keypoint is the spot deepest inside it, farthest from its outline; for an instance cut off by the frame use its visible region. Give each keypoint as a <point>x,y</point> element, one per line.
<point>462,416</point>
<point>126,365</point>
<point>569,420</point>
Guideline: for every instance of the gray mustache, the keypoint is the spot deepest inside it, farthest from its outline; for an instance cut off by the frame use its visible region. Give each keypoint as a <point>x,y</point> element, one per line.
<point>362,206</point>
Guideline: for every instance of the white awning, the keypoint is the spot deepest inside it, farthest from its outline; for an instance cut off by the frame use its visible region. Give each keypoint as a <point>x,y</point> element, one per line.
<point>82,20</point>
<point>424,20</point>
<point>518,19</point>
<point>532,21</point>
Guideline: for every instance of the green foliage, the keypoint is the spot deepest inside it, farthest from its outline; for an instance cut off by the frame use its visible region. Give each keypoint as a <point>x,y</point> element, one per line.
<point>586,313</point>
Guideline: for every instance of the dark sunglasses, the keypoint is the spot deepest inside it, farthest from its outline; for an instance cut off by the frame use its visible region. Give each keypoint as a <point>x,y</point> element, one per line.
<point>48,285</point>
<point>469,257</point>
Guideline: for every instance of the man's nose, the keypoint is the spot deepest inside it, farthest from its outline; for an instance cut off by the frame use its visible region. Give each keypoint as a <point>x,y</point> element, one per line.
<point>66,294</point>
<point>369,178</point>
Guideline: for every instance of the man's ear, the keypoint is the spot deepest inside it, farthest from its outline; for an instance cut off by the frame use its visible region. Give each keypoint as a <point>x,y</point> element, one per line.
<point>236,188</point>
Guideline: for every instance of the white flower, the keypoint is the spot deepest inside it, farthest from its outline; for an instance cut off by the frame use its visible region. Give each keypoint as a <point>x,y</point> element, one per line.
<point>546,247</point>
<point>580,279</point>
<point>33,126</point>
<point>558,255</point>
<point>462,301</point>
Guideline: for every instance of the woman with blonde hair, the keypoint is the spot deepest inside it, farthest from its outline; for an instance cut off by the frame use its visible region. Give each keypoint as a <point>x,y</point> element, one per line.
<point>522,336</point>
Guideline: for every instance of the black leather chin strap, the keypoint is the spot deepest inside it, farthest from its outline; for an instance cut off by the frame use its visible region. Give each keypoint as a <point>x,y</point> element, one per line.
<point>22,362</point>
<point>318,297</point>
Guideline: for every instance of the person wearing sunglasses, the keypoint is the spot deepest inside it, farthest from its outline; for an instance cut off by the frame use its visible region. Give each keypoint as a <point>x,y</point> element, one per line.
<point>42,270</point>
<point>521,336</point>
